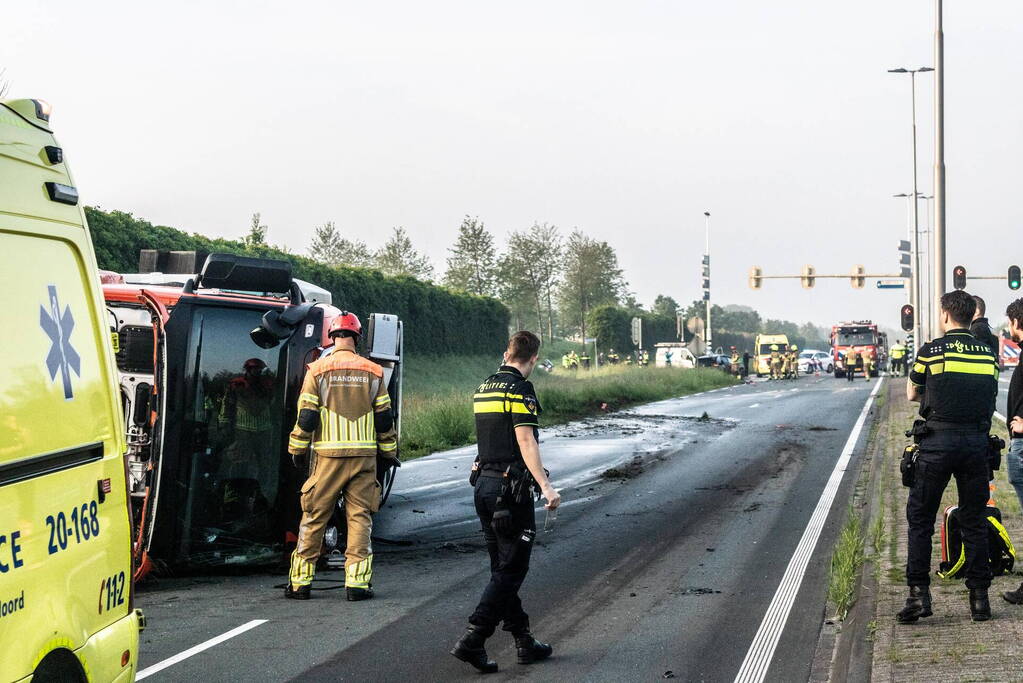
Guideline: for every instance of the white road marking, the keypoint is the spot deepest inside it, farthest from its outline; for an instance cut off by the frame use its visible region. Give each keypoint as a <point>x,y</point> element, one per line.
<point>761,650</point>
<point>755,405</point>
<point>181,656</point>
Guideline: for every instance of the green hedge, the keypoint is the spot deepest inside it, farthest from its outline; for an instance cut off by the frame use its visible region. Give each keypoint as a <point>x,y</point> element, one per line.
<point>437,320</point>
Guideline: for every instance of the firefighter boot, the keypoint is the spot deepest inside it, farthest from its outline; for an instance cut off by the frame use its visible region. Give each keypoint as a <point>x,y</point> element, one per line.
<point>356,594</point>
<point>300,593</point>
<point>1015,597</point>
<point>980,608</point>
<point>469,649</point>
<point>918,604</point>
<point>530,649</point>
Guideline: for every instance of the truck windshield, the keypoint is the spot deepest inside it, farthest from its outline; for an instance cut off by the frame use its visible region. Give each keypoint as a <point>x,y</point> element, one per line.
<point>236,412</point>
<point>766,348</point>
<point>856,336</point>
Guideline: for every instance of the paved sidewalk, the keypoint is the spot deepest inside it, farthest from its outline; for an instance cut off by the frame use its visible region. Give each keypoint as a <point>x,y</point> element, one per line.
<point>947,646</point>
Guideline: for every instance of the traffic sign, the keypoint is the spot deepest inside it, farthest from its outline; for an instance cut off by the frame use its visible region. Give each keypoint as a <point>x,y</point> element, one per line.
<point>891,284</point>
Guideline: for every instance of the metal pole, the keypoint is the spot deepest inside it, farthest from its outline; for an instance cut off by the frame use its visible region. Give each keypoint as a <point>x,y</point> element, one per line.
<point>710,347</point>
<point>939,161</point>
<point>915,244</point>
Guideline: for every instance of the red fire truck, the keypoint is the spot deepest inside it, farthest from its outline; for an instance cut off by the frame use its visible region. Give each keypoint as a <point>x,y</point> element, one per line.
<point>863,336</point>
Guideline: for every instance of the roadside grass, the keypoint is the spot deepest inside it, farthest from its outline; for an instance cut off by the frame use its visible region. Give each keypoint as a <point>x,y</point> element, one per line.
<point>438,395</point>
<point>846,561</point>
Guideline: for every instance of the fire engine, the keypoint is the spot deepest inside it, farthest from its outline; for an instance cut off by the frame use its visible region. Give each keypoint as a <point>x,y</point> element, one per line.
<point>211,363</point>
<point>863,336</point>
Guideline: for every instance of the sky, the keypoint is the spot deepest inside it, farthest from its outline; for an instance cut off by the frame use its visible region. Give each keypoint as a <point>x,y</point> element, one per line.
<point>624,120</point>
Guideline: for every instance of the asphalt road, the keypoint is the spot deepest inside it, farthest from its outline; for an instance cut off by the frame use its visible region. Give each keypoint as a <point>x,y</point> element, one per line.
<point>670,566</point>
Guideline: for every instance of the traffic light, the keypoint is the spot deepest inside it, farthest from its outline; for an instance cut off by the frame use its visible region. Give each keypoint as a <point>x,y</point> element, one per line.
<point>755,275</point>
<point>706,277</point>
<point>907,318</point>
<point>857,279</point>
<point>959,277</point>
<point>808,277</point>
<point>1014,277</point>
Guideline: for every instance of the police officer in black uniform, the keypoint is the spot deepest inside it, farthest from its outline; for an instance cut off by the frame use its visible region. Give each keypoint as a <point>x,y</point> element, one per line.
<point>955,379</point>
<point>981,328</point>
<point>507,471</point>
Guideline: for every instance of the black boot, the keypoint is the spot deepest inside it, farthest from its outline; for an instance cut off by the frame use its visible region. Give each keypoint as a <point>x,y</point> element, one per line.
<point>300,593</point>
<point>980,608</point>
<point>530,649</point>
<point>918,605</point>
<point>469,649</point>
<point>356,594</point>
<point>1015,597</point>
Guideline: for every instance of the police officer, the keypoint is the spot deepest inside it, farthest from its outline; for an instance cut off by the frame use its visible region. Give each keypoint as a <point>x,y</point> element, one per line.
<point>955,380</point>
<point>344,414</point>
<point>507,425</point>
<point>898,358</point>
<point>981,328</point>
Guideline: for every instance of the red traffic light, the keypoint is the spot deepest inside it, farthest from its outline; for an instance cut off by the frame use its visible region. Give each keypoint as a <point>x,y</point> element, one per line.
<point>907,318</point>
<point>959,277</point>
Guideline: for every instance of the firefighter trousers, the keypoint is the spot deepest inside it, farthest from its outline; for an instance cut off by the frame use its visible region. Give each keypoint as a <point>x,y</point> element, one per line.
<point>356,478</point>
<point>945,454</point>
<point>509,561</point>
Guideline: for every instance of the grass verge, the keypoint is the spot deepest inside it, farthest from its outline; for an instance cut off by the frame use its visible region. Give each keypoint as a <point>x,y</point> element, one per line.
<point>845,564</point>
<point>438,399</point>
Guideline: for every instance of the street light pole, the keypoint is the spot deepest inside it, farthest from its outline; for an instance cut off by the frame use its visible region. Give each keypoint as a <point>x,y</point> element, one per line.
<point>939,158</point>
<point>706,216</point>
<point>927,293</point>
<point>914,295</point>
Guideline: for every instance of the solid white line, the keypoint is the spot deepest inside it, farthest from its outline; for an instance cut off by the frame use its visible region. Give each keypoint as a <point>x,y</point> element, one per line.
<point>761,650</point>
<point>181,656</point>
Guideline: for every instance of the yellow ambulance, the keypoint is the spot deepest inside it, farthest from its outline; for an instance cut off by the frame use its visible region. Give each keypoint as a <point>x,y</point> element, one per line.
<point>66,611</point>
<point>762,351</point>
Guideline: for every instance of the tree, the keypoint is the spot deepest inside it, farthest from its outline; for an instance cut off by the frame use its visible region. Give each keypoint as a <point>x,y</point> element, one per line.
<point>665,305</point>
<point>472,266</point>
<point>399,257</point>
<point>547,249</point>
<point>330,248</point>
<point>522,278</point>
<point>257,233</point>
<point>591,277</point>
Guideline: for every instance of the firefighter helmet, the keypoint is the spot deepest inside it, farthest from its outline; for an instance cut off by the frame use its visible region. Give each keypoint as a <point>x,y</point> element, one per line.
<point>346,322</point>
<point>774,347</point>
<point>795,348</point>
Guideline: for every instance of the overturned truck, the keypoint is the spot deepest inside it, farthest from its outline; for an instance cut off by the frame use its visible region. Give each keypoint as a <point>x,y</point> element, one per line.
<point>211,361</point>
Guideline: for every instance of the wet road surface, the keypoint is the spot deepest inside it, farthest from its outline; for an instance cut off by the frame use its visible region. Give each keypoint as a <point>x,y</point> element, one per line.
<point>669,562</point>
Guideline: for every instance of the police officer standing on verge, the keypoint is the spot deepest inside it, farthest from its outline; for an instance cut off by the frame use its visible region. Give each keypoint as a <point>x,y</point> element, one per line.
<point>506,471</point>
<point>981,328</point>
<point>955,380</point>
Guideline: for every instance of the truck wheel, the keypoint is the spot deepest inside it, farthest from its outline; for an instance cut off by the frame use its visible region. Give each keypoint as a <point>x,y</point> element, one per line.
<point>60,666</point>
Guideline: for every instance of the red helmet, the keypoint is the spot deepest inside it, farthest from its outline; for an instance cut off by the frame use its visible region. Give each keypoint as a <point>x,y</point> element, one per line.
<point>346,322</point>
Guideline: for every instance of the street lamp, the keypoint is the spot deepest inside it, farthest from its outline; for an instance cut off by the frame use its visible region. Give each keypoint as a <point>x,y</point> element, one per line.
<point>915,244</point>
<point>707,334</point>
<point>931,319</point>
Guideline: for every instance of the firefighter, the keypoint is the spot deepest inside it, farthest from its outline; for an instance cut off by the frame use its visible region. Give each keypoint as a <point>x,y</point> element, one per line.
<point>851,361</point>
<point>507,471</point>
<point>776,362</point>
<point>566,362</point>
<point>733,362</point>
<point>644,358</point>
<point>584,360</point>
<point>344,414</point>
<point>245,425</point>
<point>868,365</point>
<point>898,358</point>
<point>794,361</point>
<point>612,357</point>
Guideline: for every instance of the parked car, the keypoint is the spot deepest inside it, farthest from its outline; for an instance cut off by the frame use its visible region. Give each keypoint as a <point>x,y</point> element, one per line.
<point>714,361</point>
<point>822,358</point>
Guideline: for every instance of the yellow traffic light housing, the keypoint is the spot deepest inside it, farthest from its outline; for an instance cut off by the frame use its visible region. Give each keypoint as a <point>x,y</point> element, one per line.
<point>808,278</point>
<point>857,277</point>
<point>755,277</point>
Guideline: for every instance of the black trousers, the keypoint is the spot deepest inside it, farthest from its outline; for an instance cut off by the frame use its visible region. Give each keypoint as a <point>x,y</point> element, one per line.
<point>943,455</point>
<point>509,562</point>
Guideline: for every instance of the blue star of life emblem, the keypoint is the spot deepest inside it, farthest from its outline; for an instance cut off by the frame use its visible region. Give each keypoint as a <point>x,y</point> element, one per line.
<point>62,356</point>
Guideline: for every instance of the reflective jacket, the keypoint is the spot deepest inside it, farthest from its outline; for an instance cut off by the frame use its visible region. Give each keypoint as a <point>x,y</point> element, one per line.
<point>344,409</point>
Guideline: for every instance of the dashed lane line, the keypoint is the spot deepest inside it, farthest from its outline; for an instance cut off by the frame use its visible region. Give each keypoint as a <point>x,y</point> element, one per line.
<point>761,650</point>
<point>181,656</point>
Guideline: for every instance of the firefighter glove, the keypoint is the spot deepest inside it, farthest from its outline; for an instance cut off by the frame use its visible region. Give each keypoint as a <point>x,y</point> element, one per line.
<point>301,460</point>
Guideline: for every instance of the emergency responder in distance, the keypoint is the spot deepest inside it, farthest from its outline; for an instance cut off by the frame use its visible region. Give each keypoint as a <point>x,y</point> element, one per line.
<point>955,380</point>
<point>898,353</point>
<point>508,465</point>
<point>794,361</point>
<point>851,361</point>
<point>775,362</point>
<point>981,329</point>
<point>1014,417</point>
<point>344,413</point>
